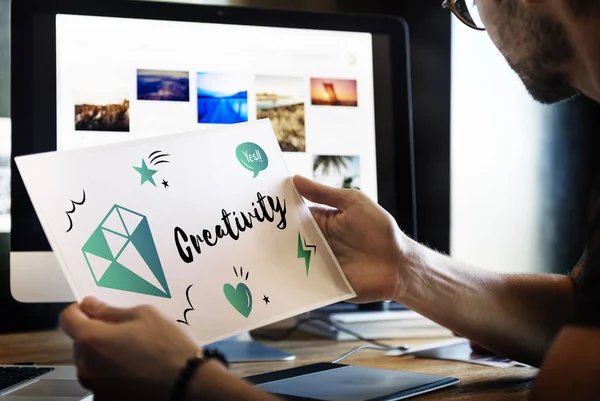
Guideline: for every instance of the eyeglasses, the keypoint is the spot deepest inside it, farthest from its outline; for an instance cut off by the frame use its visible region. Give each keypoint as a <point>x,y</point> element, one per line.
<point>466,11</point>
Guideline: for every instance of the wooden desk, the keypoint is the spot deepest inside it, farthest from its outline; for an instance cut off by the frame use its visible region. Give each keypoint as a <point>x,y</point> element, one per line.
<point>477,382</point>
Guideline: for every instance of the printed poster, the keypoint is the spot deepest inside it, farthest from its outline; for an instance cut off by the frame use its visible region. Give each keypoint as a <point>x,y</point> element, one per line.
<point>207,226</point>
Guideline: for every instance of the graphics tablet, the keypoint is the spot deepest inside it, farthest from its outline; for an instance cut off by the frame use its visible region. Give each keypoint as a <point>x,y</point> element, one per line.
<point>336,382</point>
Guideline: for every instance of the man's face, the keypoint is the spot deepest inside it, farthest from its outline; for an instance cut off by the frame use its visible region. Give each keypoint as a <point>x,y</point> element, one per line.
<point>536,47</point>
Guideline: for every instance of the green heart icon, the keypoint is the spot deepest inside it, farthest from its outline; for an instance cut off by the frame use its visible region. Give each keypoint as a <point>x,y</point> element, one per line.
<point>240,298</point>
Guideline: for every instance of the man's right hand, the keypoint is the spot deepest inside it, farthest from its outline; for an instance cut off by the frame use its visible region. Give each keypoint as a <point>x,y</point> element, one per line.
<point>381,263</point>
<point>365,239</point>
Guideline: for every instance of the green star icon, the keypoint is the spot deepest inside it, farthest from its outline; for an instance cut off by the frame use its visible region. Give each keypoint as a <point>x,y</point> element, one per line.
<point>146,173</point>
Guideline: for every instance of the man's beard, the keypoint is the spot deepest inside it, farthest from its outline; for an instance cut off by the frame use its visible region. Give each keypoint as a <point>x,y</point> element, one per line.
<point>542,71</point>
<point>546,87</point>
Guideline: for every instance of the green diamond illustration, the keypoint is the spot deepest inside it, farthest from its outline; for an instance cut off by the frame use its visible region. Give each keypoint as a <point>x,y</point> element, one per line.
<point>121,254</point>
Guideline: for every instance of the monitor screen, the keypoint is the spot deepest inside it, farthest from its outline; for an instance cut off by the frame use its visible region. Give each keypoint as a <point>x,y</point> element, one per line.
<point>123,78</point>
<point>335,87</point>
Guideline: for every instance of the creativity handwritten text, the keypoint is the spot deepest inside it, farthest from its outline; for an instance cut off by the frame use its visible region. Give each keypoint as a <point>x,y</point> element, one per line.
<point>265,208</point>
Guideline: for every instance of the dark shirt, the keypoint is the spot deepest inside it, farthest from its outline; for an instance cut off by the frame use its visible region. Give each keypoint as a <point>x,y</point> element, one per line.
<point>586,275</point>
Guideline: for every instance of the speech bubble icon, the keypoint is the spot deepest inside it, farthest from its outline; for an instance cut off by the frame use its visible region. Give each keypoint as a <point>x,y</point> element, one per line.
<point>252,157</point>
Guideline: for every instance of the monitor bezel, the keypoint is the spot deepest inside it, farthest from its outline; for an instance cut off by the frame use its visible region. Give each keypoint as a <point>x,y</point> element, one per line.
<point>23,61</point>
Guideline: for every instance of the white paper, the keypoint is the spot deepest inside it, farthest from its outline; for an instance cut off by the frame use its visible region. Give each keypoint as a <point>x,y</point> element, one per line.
<point>465,354</point>
<point>122,219</point>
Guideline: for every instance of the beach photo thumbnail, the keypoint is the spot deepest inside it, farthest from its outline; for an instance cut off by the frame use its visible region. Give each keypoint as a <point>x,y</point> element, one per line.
<point>163,85</point>
<point>101,116</point>
<point>281,99</point>
<point>222,98</point>
<point>333,92</point>
<point>337,171</point>
<point>101,99</point>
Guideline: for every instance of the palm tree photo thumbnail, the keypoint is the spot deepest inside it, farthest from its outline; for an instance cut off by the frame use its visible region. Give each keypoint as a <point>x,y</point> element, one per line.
<point>337,171</point>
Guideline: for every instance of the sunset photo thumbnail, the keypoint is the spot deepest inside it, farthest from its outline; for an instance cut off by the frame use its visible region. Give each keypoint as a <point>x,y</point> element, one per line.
<point>333,92</point>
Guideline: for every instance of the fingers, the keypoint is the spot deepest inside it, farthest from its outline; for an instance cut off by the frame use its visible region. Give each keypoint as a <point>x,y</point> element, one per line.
<point>323,216</point>
<point>323,211</point>
<point>74,321</point>
<point>323,194</point>
<point>97,309</point>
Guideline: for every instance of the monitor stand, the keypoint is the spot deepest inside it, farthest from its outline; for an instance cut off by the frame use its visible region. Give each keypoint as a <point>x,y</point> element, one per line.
<point>376,306</point>
<point>345,307</point>
<point>242,348</point>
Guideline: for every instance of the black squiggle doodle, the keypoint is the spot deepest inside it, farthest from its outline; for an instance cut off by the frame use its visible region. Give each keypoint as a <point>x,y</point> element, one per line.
<point>313,247</point>
<point>190,309</point>
<point>73,203</point>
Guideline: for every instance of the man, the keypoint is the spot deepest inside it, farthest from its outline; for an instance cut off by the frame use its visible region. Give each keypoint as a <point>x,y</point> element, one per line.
<point>550,321</point>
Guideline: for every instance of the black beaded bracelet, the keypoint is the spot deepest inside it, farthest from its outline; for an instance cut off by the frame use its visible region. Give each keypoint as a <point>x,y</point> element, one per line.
<point>192,364</point>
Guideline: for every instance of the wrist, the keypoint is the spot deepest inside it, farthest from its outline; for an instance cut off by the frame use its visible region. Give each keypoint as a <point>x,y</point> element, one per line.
<point>411,268</point>
<point>189,374</point>
<point>204,384</point>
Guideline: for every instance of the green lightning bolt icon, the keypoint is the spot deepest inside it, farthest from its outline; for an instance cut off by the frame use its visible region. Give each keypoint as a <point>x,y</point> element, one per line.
<point>303,253</point>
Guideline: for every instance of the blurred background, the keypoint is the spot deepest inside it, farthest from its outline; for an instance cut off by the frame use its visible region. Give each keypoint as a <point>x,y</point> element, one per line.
<point>502,182</point>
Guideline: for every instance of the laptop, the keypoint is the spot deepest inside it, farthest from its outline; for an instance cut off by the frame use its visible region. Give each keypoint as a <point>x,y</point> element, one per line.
<point>48,383</point>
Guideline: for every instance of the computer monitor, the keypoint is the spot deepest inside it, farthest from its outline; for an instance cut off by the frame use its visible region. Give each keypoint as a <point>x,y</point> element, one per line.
<point>336,88</point>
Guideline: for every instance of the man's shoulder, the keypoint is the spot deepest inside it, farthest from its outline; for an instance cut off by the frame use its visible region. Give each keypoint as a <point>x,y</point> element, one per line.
<point>586,274</point>
<point>591,256</point>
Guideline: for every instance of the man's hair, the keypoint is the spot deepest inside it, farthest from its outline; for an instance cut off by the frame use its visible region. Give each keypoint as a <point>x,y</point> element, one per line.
<point>583,8</point>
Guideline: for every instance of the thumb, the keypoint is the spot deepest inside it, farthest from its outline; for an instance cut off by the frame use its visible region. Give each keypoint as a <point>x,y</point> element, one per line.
<point>99,310</point>
<point>73,321</point>
<point>323,194</point>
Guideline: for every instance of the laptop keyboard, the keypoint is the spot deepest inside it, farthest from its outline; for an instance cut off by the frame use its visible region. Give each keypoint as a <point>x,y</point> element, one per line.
<point>11,376</point>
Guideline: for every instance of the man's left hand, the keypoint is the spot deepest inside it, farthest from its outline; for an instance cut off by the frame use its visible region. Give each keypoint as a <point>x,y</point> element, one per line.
<point>126,354</point>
